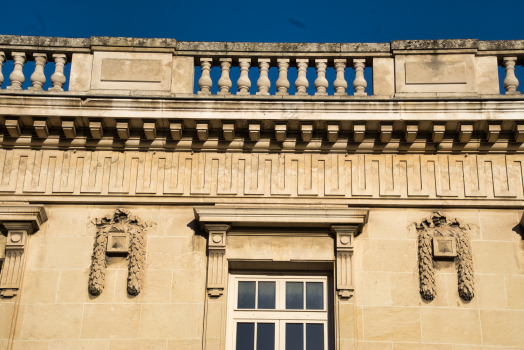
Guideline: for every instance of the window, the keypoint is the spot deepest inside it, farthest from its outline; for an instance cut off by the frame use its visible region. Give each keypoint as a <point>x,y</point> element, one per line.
<point>277,313</point>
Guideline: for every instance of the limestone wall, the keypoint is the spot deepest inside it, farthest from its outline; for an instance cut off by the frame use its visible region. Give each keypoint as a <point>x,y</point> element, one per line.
<point>387,312</point>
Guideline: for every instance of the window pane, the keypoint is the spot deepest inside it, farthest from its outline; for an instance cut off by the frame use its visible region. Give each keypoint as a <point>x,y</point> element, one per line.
<point>245,336</point>
<point>314,296</point>
<point>266,295</point>
<point>265,336</point>
<point>294,295</point>
<point>294,336</point>
<point>314,336</point>
<point>246,295</point>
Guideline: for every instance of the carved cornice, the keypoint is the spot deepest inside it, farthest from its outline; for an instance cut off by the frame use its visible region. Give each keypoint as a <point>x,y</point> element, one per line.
<point>281,216</point>
<point>35,215</point>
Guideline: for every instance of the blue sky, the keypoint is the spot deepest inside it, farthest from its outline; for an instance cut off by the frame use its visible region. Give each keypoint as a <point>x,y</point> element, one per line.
<point>267,20</point>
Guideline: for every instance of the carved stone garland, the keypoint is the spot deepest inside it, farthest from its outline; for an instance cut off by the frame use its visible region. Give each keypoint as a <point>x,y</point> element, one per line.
<point>439,225</point>
<point>127,231</point>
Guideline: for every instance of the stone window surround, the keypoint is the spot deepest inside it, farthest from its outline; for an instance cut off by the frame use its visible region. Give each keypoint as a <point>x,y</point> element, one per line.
<point>217,221</point>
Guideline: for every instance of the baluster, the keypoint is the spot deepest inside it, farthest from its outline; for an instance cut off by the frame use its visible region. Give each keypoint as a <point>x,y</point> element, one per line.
<point>224,83</point>
<point>243,83</point>
<point>205,83</point>
<point>282,83</point>
<point>321,83</point>
<point>2,60</point>
<point>510,82</point>
<point>340,84</point>
<point>58,78</point>
<point>17,76</point>
<point>263,83</point>
<point>38,77</point>
<point>301,84</point>
<point>359,84</point>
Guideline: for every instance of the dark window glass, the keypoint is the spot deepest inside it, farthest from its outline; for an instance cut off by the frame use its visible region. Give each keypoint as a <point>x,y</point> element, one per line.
<point>294,295</point>
<point>266,295</point>
<point>265,336</point>
<point>294,336</point>
<point>245,336</point>
<point>314,336</point>
<point>314,296</point>
<point>246,295</point>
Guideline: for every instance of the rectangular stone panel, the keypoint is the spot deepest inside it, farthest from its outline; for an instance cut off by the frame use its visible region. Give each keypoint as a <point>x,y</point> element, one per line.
<point>131,70</point>
<point>436,73</point>
<point>455,74</point>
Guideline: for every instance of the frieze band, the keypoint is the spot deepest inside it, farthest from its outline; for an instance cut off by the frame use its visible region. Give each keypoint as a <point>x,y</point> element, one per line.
<point>31,172</point>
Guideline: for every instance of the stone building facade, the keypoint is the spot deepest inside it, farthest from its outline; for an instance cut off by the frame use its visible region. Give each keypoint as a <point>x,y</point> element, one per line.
<point>139,211</point>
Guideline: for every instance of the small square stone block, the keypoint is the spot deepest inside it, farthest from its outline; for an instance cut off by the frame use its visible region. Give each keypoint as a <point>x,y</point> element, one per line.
<point>444,247</point>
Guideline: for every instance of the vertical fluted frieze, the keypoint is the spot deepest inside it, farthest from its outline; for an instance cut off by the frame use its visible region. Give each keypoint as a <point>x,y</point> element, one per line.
<point>58,78</point>
<point>359,84</point>
<point>17,76</point>
<point>263,83</point>
<point>205,83</point>
<point>38,77</point>
<point>2,60</point>
<point>301,84</point>
<point>243,83</point>
<point>282,83</point>
<point>340,84</point>
<point>510,82</point>
<point>224,83</point>
<point>321,84</point>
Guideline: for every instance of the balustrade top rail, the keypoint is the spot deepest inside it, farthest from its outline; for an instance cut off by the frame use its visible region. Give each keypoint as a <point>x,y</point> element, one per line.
<point>169,68</point>
<point>85,44</point>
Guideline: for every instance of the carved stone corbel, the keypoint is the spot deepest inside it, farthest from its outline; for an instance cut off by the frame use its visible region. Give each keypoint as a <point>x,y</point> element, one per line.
<point>216,266</point>
<point>20,221</point>
<point>344,235</point>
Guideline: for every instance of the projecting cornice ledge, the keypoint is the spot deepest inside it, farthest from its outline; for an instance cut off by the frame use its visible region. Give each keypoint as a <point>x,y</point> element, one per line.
<point>23,213</point>
<point>283,216</point>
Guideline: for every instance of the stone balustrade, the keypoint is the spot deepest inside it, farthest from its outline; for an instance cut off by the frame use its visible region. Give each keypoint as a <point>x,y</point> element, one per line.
<point>18,76</point>
<point>169,68</point>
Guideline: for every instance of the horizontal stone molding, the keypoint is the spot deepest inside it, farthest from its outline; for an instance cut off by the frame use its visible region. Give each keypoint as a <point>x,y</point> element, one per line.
<point>280,216</point>
<point>85,173</point>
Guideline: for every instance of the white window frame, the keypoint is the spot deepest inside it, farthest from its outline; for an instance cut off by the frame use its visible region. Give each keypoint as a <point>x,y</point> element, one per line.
<point>280,316</point>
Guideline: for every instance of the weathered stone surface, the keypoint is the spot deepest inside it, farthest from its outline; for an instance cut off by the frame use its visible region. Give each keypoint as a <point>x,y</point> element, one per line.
<point>459,326</point>
<point>110,321</point>
<point>138,344</point>
<point>492,291</point>
<point>498,327</point>
<point>434,44</point>
<point>67,320</point>
<point>135,42</point>
<point>392,324</point>
<point>500,225</point>
<point>496,45</point>
<point>515,286</point>
<point>375,287</point>
<point>495,257</point>
<point>40,286</point>
<point>83,344</point>
<point>389,255</point>
<point>173,321</point>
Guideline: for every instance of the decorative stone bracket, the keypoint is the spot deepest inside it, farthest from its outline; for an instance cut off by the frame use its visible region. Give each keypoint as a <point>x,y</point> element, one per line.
<point>345,223</point>
<point>344,235</point>
<point>216,266</point>
<point>20,221</point>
